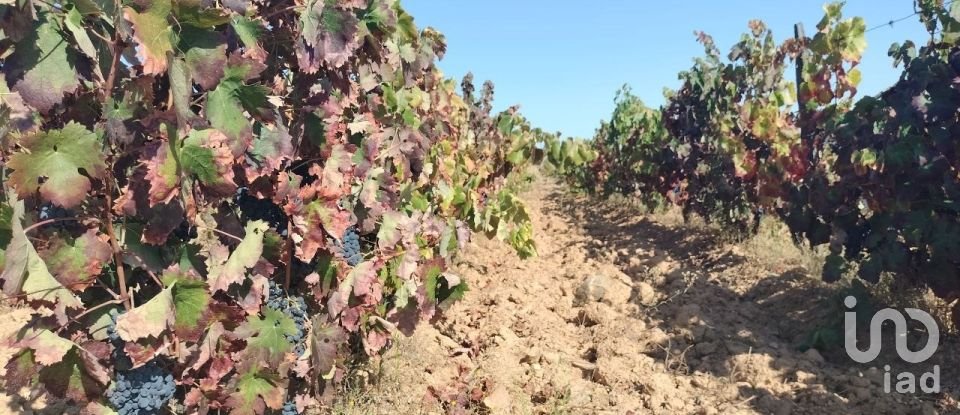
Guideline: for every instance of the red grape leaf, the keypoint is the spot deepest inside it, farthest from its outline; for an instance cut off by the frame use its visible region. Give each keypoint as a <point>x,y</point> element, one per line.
<point>48,348</point>
<point>76,264</point>
<point>42,67</point>
<point>328,34</point>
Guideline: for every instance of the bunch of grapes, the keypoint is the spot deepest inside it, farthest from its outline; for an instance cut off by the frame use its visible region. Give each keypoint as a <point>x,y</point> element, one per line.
<point>51,211</point>
<point>349,246</point>
<point>142,391</point>
<point>289,408</point>
<point>120,358</point>
<point>295,308</point>
<point>252,208</point>
<point>139,391</point>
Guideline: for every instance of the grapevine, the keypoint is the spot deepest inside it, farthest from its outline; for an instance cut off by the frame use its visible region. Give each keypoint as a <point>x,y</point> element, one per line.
<point>872,177</point>
<point>186,176</point>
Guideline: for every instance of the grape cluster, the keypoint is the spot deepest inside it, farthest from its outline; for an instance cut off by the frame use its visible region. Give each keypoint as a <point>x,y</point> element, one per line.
<point>142,391</point>
<point>138,391</point>
<point>120,358</point>
<point>295,308</point>
<point>51,211</point>
<point>253,208</point>
<point>349,246</point>
<point>289,408</point>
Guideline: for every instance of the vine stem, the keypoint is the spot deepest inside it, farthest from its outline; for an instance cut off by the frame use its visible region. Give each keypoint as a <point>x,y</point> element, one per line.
<point>90,310</point>
<point>49,221</point>
<point>227,234</point>
<point>117,252</point>
<point>286,280</point>
<point>115,59</point>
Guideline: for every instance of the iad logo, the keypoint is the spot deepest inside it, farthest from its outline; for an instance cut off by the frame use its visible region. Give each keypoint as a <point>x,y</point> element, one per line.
<point>906,381</point>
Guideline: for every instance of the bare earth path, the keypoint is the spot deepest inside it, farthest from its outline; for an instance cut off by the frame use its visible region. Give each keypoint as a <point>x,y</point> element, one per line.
<point>626,313</point>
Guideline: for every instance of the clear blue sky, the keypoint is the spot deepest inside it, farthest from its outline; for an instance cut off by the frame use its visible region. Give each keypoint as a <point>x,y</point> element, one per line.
<point>563,60</point>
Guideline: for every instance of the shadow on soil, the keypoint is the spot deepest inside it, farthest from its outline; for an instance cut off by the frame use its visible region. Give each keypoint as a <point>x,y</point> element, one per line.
<point>779,315</point>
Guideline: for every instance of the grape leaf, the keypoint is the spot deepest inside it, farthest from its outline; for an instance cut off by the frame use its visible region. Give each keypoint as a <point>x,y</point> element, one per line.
<point>329,35</point>
<point>191,301</point>
<point>248,252</point>
<point>153,32</point>
<point>42,67</point>
<point>248,31</point>
<point>24,270</point>
<point>255,392</point>
<point>224,110</point>
<point>48,348</point>
<point>206,55</point>
<point>150,319</point>
<point>266,337</point>
<point>325,340</point>
<point>58,156</point>
<point>76,264</point>
<point>200,162</point>
<point>72,377</point>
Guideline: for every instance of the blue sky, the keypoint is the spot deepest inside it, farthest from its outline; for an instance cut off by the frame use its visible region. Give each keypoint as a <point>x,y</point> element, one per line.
<point>563,60</point>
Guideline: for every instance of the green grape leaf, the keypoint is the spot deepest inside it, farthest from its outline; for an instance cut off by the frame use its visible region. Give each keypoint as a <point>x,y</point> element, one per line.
<point>74,23</point>
<point>248,31</point>
<point>153,32</point>
<point>24,270</point>
<point>266,337</point>
<point>224,110</point>
<point>58,156</point>
<point>200,162</point>
<point>191,300</point>
<point>256,391</point>
<point>42,68</point>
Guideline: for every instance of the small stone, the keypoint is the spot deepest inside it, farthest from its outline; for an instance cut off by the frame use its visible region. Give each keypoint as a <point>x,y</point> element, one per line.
<point>596,314</point>
<point>859,381</point>
<point>805,377</point>
<point>928,409</point>
<point>814,356</point>
<point>551,357</point>
<point>646,294</point>
<point>859,394</point>
<point>602,288</point>
<point>447,342</point>
<point>498,402</point>
<point>875,376</point>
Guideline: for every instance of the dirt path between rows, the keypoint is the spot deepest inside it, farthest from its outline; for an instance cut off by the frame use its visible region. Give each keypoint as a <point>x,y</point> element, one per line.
<point>627,313</point>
